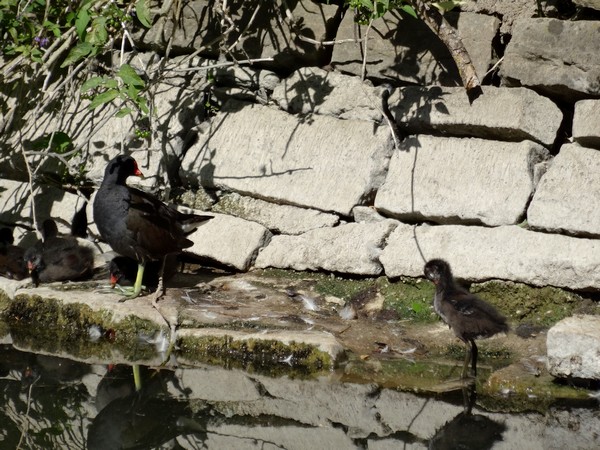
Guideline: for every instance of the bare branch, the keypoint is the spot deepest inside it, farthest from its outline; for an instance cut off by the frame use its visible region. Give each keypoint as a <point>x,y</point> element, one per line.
<point>449,36</point>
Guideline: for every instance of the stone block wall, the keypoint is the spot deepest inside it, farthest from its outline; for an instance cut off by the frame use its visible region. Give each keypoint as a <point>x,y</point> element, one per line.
<point>299,163</point>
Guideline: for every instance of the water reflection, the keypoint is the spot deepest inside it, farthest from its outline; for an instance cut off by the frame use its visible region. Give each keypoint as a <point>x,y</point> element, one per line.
<point>128,418</point>
<point>55,403</point>
<point>468,430</point>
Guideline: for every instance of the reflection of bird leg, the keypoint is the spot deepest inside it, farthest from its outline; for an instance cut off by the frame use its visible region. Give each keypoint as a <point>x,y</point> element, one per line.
<point>474,352</point>
<point>469,397</point>
<point>471,353</point>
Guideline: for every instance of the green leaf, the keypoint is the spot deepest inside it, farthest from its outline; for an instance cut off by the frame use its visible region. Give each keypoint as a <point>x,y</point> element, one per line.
<point>111,83</point>
<point>130,77</point>
<point>141,103</point>
<point>409,10</point>
<point>105,97</point>
<point>61,142</point>
<point>143,13</point>
<point>78,52</point>
<point>81,23</point>
<point>123,112</point>
<point>92,83</point>
<point>98,34</point>
<point>447,5</point>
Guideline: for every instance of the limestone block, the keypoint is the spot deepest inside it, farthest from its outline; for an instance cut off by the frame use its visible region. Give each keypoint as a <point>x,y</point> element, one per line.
<point>321,162</point>
<point>283,219</point>
<point>405,49</point>
<point>50,203</point>
<point>586,128</point>
<point>573,347</point>
<point>594,4</point>
<point>509,10</point>
<point>350,248</point>
<point>553,56</point>
<point>568,195</point>
<point>229,240</point>
<point>525,115</point>
<point>247,77</point>
<point>271,34</point>
<point>452,180</point>
<point>314,90</point>
<point>505,253</point>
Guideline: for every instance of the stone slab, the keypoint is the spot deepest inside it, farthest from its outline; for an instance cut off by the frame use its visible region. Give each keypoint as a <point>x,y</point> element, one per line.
<point>586,127</point>
<point>509,10</point>
<point>505,253</point>
<point>50,202</point>
<point>271,34</point>
<point>283,219</point>
<point>567,198</point>
<point>452,180</point>
<point>229,240</point>
<point>313,90</point>
<point>553,56</point>
<point>321,162</point>
<point>324,342</point>
<point>401,48</point>
<point>351,248</point>
<point>574,347</point>
<point>525,115</point>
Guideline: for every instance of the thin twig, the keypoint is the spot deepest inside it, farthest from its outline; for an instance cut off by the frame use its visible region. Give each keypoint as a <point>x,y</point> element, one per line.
<point>246,28</point>
<point>494,67</point>
<point>24,432</point>
<point>340,41</point>
<point>244,62</point>
<point>30,186</point>
<point>363,70</point>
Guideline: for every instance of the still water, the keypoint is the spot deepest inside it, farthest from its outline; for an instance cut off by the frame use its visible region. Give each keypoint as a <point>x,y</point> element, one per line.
<point>47,402</point>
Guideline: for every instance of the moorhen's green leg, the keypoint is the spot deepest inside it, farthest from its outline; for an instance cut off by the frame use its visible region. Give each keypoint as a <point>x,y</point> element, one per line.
<point>137,287</point>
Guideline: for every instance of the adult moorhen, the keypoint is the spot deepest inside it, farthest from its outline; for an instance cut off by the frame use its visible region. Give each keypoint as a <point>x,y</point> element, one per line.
<point>136,224</point>
<point>58,258</point>
<point>11,257</point>
<point>469,317</point>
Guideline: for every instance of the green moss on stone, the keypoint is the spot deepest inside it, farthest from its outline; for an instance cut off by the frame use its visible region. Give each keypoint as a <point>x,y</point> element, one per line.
<point>267,356</point>
<point>199,199</point>
<point>5,301</point>
<point>521,303</point>
<point>53,326</point>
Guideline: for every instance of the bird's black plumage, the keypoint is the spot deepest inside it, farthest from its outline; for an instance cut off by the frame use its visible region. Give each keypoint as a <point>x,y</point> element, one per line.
<point>136,224</point>
<point>466,314</point>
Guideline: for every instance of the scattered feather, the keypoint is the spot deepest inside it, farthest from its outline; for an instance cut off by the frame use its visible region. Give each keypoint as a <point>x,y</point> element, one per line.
<point>287,360</point>
<point>309,303</point>
<point>94,333</point>
<point>348,312</point>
